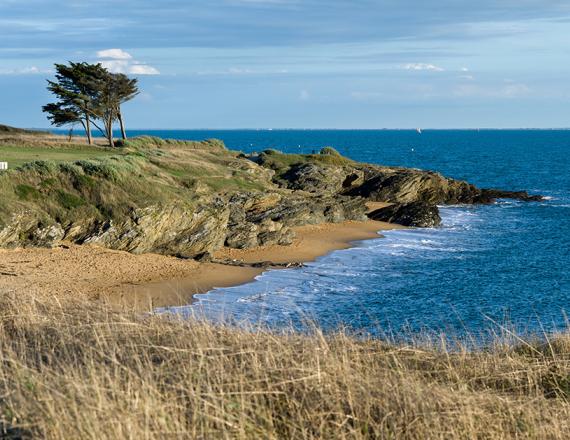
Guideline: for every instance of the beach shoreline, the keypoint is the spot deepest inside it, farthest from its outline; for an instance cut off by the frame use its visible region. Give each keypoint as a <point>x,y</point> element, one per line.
<point>144,282</point>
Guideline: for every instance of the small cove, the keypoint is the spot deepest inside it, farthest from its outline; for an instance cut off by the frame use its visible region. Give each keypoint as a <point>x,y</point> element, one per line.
<point>488,265</point>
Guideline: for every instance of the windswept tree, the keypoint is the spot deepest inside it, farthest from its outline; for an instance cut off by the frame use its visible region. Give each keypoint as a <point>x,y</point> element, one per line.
<point>124,89</point>
<point>88,93</point>
<point>75,87</point>
<point>60,115</point>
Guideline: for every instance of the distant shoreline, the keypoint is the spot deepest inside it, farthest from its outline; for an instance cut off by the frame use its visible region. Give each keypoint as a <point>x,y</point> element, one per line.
<point>96,134</point>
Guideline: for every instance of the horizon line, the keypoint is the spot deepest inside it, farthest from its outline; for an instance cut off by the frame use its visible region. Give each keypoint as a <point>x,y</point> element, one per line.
<point>321,129</point>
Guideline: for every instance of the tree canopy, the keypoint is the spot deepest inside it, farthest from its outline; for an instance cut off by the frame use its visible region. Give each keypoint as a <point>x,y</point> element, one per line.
<point>88,94</point>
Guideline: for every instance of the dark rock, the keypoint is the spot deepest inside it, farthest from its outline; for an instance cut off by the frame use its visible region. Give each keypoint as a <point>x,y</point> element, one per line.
<point>403,185</point>
<point>354,179</point>
<point>400,185</point>
<point>417,214</point>
<point>205,257</point>
<point>313,178</point>
<point>260,264</point>
<point>242,235</point>
<point>489,195</point>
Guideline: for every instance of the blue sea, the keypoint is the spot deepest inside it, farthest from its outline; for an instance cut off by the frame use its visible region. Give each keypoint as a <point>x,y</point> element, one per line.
<point>486,268</point>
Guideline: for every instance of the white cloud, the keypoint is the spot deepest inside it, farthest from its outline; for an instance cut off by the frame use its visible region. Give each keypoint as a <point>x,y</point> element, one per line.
<point>32,70</point>
<point>114,54</point>
<point>465,69</point>
<point>515,90</point>
<point>508,90</point>
<point>120,61</point>
<point>143,69</point>
<point>241,71</point>
<point>423,66</point>
<point>304,95</point>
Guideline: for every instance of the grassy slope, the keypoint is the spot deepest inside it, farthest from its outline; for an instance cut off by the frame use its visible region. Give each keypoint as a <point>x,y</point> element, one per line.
<point>72,182</point>
<point>78,370</point>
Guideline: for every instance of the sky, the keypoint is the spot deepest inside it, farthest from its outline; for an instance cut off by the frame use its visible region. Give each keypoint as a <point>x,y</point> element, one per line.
<point>300,63</point>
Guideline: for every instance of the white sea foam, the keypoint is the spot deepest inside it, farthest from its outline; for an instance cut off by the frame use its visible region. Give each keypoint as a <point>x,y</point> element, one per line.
<point>282,290</point>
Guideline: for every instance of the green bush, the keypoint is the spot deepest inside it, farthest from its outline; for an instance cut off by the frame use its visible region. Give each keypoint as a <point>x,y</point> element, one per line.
<point>68,200</point>
<point>330,151</point>
<point>41,167</point>
<point>26,192</point>
<point>98,169</point>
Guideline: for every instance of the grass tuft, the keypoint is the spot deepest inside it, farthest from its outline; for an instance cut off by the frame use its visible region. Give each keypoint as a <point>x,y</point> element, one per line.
<point>330,151</point>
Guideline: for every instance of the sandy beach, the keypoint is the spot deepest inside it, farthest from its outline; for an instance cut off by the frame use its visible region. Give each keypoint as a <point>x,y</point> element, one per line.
<point>143,282</point>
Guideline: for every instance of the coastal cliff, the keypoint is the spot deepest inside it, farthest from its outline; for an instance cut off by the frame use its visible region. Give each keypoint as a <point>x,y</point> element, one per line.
<point>190,199</point>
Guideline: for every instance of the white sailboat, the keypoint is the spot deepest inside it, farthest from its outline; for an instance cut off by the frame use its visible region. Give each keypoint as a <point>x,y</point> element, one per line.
<point>419,130</point>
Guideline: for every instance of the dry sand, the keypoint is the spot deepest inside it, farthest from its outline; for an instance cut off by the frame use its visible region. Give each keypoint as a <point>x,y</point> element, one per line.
<point>145,281</point>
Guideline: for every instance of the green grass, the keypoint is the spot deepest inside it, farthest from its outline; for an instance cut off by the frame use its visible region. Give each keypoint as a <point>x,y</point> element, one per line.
<point>26,192</point>
<point>17,156</point>
<point>281,162</point>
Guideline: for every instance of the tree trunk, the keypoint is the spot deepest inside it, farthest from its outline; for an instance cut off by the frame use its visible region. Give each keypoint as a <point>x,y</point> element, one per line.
<point>88,129</point>
<point>122,123</point>
<point>110,132</point>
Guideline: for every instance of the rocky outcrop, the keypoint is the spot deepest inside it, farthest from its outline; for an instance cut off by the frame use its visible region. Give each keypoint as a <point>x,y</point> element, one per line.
<point>30,228</point>
<point>490,195</point>
<point>416,214</point>
<point>414,193</point>
<point>402,185</point>
<point>242,220</point>
<point>262,219</point>
<point>178,230</point>
<point>313,178</point>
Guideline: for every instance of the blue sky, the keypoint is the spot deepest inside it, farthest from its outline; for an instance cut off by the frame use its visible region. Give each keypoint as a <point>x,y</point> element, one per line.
<point>300,63</point>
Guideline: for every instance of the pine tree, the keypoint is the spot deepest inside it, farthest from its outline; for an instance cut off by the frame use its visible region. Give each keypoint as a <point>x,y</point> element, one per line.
<point>87,93</point>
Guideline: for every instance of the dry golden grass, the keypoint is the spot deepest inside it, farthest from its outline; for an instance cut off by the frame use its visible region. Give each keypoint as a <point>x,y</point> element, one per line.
<point>79,370</point>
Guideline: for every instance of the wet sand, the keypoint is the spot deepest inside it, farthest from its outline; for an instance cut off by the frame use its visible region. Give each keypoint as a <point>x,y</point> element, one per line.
<point>143,282</point>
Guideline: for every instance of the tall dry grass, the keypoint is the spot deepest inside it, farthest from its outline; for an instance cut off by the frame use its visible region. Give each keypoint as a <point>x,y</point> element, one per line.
<point>78,370</point>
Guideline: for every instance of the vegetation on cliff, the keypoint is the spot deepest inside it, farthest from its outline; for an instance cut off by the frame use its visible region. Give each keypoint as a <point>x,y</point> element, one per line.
<point>154,195</point>
<point>191,198</point>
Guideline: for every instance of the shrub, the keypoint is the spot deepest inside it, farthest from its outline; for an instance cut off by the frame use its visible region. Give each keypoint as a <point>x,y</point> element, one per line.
<point>99,169</point>
<point>330,151</point>
<point>26,192</point>
<point>68,200</point>
<point>41,167</point>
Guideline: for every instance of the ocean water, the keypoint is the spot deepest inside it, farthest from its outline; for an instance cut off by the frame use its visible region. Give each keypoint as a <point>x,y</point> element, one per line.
<point>488,266</point>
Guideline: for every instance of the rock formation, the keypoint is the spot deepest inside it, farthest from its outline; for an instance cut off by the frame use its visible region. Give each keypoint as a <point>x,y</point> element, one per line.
<point>416,214</point>
<point>189,199</point>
